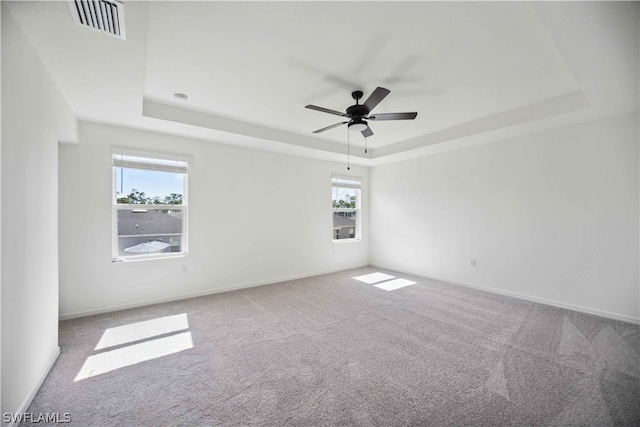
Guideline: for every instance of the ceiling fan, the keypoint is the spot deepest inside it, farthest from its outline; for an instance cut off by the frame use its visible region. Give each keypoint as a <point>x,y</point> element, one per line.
<point>359,114</point>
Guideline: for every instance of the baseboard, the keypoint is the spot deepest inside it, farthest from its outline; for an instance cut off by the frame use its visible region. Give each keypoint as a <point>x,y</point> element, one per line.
<point>581,309</point>
<point>43,375</point>
<point>203,293</point>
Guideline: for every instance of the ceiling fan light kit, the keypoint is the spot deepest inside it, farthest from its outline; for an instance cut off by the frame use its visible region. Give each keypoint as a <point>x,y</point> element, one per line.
<point>358,126</point>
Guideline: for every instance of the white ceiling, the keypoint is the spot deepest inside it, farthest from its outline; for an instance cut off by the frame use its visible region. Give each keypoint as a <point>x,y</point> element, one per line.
<point>474,71</point>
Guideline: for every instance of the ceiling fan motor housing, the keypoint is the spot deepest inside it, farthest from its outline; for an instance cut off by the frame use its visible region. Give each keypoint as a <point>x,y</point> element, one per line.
<point>357,111</point>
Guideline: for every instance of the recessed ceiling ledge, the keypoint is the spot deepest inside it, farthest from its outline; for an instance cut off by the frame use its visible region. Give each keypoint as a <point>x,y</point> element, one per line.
<point>570,102</point>
<point>161,111</point>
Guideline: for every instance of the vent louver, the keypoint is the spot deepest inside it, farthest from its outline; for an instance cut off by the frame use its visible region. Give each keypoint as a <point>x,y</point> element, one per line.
<point>102,15</point>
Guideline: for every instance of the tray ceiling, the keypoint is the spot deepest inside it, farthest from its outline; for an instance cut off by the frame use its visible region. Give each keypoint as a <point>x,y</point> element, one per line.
<point>473,71</point>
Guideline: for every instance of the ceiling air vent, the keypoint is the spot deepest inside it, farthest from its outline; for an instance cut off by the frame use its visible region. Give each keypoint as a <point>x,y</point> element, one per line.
<point>102,15</point>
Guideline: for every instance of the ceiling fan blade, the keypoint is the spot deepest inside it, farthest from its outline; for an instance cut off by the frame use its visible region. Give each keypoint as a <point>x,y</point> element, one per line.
<point>367,132</point>
<point>393,116</point>
<point>330,127</point>
<point>374,99</point>
<point>326,110</point>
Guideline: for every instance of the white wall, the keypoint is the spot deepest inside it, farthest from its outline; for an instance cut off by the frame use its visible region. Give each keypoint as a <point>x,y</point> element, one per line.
<point>551,216</point>
<point>254,217</point>
<point>34,114</point>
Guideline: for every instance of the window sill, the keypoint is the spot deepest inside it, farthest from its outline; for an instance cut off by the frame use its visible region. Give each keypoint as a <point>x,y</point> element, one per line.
<point>341,241</point>
<point>149,258</point>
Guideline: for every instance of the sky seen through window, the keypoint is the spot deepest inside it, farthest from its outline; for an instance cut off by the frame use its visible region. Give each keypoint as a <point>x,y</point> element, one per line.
<point>152,183</point>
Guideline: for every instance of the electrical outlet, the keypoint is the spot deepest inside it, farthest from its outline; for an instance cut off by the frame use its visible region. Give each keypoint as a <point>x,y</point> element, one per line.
<point>185,268</point>
<point>473,262</point>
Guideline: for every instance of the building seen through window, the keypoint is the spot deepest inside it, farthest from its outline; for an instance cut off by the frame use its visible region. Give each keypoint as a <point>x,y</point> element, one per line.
<point>346,208</point>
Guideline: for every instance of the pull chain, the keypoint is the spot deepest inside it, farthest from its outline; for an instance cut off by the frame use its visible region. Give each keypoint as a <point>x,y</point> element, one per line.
<point>348,150</point>
<point>365,145</point>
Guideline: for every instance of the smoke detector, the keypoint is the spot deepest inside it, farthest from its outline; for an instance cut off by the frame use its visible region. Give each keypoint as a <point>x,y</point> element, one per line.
<point>102,15</point>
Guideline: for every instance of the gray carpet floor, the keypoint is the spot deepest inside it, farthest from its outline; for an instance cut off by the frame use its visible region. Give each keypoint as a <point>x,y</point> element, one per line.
<point>332,350</point>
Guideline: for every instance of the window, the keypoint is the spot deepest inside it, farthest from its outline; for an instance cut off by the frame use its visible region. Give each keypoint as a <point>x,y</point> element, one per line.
<point>346,208</point>
<point>149,205</point>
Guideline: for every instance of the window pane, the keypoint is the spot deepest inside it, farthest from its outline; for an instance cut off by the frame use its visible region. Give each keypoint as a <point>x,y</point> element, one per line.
<point>149,231</point>
<point>344,225</point>
<point>343,182</point>
<point>139,186</point>
<point>344,197</point>
<point>164,163</point>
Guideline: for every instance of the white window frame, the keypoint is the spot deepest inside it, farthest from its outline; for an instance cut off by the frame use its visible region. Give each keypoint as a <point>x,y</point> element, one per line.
<point>164,163</point>
<point>356,183</point>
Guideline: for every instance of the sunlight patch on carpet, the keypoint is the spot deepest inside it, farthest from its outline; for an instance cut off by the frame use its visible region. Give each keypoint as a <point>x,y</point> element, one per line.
<point>126,356</point>
<point>392,285</point>
<point>384,281</point>
<point>374,278</point>
<point>138,342</point>
<point>142,330</point>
